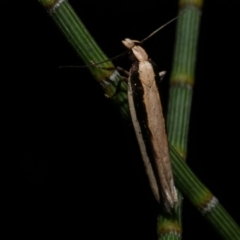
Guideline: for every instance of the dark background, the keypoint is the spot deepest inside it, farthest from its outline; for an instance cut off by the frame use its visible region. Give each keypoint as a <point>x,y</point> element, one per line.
<point>72,162</point>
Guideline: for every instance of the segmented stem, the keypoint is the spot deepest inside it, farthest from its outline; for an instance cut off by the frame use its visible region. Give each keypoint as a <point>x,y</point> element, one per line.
<point>78,36</point>
<point>180,94</point>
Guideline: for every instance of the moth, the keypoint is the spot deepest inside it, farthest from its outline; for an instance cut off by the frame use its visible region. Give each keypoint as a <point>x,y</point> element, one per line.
<point>148,121</point>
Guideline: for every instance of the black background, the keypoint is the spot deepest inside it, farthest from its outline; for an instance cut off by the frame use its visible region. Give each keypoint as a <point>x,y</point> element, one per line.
<point>73,167</point>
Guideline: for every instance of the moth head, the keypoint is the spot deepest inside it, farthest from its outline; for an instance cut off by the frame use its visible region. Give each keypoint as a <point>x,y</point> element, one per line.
<point>129,43</point>
<point>138,52</point>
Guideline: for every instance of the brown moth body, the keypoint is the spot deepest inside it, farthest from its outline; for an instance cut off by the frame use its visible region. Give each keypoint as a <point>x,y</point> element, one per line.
<point>148,121</point>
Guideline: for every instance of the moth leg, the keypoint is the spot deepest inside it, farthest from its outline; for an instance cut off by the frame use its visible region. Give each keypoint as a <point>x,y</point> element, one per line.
<point>123,71</point>
<point>113,68</point>
<point>162,75</point>
<point>104,68</point>
<point>118,87</point>
<point>122,78</point>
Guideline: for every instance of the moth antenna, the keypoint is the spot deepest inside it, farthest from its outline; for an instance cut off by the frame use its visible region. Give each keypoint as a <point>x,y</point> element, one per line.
<point>93,64</point>
<point>154,32</point>
<point>119,55</point>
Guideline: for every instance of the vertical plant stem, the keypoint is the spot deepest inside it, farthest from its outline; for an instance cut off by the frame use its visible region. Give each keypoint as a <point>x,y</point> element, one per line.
<point>180,96</point>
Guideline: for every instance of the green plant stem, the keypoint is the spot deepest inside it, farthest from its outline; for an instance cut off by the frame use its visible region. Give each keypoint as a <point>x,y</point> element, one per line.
<point>86,47</point>
<point>77,35</point>
<point>200,197</point>
<point>180,97</point>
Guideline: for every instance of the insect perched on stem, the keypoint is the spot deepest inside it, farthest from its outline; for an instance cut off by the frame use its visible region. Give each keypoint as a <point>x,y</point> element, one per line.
<point>148,121</point>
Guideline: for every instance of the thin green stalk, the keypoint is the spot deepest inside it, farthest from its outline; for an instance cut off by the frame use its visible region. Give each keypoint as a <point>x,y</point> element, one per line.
<point>77,35</point>
<point>203,199</point>
<point>180,97</point>
<point>86,47</point>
